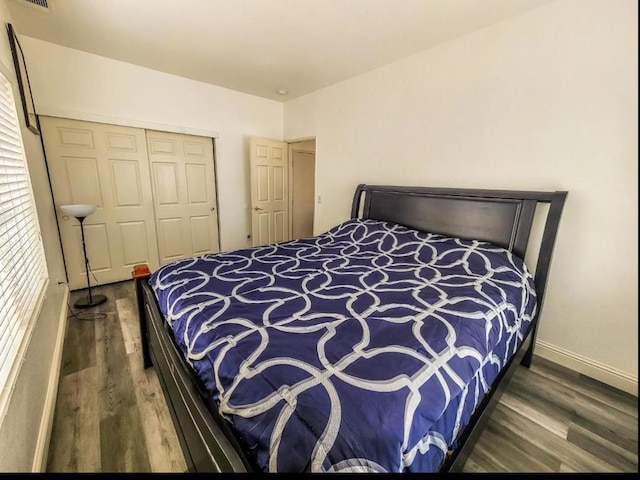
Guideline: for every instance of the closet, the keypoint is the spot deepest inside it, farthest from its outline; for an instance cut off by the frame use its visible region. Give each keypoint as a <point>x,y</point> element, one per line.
<point>155,193</point>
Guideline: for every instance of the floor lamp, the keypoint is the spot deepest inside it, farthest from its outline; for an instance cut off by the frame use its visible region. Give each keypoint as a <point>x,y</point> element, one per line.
<point>81,212</point>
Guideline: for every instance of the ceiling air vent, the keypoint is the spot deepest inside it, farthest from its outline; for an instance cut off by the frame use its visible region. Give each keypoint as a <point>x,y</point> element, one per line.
<point>43,4</point>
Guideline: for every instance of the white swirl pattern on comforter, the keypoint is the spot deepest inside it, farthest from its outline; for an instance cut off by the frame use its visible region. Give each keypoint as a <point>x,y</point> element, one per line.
<point>365,348</point>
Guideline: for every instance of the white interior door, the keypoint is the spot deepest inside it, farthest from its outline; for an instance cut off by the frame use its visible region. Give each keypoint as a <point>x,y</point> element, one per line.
<point>184,194</point>
<point>107,166</point>
<point>269,191</point>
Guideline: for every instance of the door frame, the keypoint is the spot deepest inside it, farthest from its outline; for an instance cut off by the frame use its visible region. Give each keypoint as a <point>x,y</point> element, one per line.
<point>291,147</point>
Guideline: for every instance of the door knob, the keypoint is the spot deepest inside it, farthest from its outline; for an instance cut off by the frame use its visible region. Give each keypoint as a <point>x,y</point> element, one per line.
<point>257,209</point>
<point>213,208</point>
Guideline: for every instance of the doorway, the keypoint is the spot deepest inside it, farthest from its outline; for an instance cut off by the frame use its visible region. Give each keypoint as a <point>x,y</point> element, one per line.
<point>302,164</point>
<point>282,189</point>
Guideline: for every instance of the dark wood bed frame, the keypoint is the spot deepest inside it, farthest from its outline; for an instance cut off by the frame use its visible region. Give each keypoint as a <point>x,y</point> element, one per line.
<point>502,217</point>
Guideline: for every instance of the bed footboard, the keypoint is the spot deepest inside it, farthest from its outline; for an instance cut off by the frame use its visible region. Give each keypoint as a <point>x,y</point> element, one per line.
<point>140,274</point>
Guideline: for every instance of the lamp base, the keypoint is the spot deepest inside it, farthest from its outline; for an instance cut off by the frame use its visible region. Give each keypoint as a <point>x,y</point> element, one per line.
<point>95,300</point>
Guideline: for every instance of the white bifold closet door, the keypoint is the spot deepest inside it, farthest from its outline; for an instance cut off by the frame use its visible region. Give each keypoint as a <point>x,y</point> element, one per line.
<point>107,166</point>
<point>111,167</point>
<point>184,194</point>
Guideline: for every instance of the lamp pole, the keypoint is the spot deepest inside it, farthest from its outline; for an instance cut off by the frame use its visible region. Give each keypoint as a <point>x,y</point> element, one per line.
<point>91,300</point>
<point>86,259</point>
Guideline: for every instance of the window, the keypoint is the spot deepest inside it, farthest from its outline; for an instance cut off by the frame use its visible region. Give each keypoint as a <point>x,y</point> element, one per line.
<point>22,263</point>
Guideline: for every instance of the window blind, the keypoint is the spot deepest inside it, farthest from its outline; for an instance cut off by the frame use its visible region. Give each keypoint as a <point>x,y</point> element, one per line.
<point>22,262</point>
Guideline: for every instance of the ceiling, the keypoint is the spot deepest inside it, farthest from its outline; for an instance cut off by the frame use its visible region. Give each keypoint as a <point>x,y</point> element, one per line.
<point>260,46</point>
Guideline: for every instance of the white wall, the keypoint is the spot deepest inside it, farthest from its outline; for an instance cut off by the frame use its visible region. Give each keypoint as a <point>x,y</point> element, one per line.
<point>25,428</point>
<point>546,100</point>
<point>87,85</point>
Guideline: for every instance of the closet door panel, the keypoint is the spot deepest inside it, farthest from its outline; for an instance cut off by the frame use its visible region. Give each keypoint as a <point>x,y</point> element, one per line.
<point>134,251</point>
<point>170,236</point>
<point>183,182</point>
<point>107,166</point>
<point>127,189</point>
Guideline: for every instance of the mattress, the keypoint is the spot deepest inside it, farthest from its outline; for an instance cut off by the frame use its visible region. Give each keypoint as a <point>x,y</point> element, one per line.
<point>366,348</point>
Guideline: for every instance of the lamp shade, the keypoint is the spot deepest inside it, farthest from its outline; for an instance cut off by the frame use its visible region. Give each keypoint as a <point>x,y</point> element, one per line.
<point>78,210</point>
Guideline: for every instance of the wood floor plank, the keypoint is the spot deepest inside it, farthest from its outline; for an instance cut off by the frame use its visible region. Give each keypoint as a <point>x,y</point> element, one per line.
<point>121,430</point>
<point>557,399</point>
<point>519,454</point>
<point>613,398</point>
<point>163,446</point>
<point>79,350</point>
<point>611,424</point>
<point>514,425</point>
<point>122,445</point>
<point>555,372</point>
<point>128,316</point>
<point>564,468</point>
<point>583,386</point>
<point>123,290</point>
<point>116,387</point>
<point>608,422</point>
<point>539,412</point>
<point>622,458</point>
<point>75,436</point>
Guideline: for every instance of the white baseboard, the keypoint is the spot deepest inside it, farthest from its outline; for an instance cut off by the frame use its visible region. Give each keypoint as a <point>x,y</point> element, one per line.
<point>588,367</point>
<point>46,424</point>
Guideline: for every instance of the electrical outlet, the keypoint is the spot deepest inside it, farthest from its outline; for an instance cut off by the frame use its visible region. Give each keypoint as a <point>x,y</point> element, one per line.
<point>319,199</point>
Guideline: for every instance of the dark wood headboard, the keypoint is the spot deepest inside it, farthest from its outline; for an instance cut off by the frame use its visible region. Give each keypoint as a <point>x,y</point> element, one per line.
<point>502,217</point>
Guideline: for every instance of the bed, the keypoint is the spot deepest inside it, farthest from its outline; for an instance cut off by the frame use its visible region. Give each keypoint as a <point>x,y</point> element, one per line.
<point>381,345</point>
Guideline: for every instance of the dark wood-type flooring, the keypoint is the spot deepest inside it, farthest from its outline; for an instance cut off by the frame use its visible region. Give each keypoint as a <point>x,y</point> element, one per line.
<point>111,415</point>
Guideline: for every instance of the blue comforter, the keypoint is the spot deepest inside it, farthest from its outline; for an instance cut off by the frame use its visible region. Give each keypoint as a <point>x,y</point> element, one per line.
<point>366,348</point>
